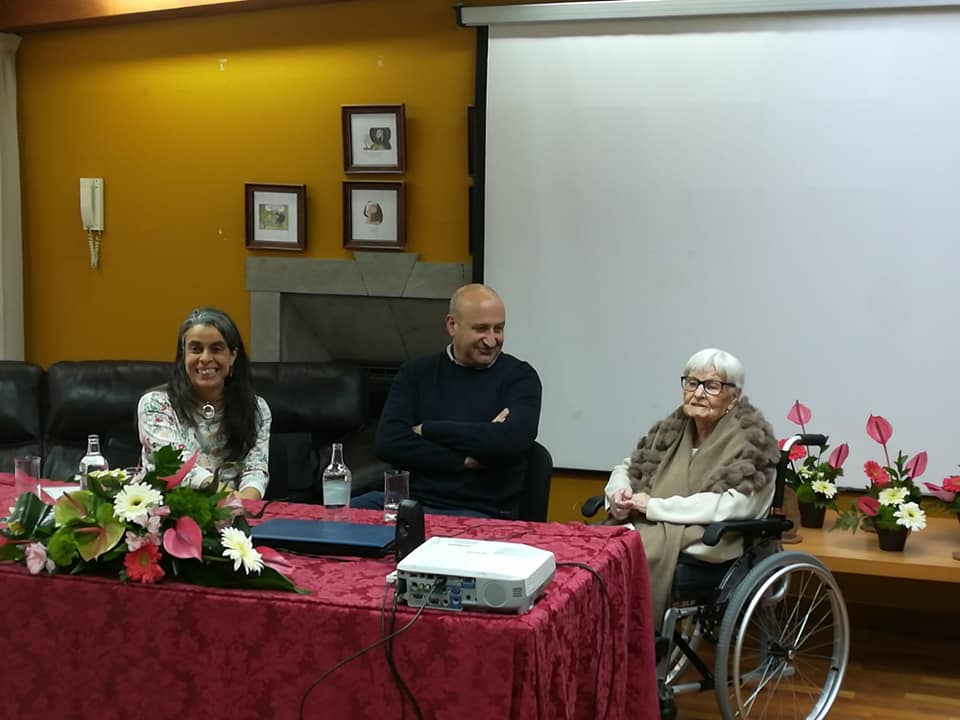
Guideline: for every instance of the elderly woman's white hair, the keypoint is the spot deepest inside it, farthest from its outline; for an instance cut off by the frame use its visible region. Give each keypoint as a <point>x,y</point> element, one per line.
<point>725,364</point>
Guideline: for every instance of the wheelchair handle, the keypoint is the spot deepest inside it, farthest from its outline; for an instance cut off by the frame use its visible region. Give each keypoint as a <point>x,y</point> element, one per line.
<point>806,439</point>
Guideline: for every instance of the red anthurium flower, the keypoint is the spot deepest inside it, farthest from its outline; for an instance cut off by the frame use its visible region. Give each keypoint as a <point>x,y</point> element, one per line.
<point>143,565</point>
<point>799,414</point>
<point>917,465</point>
<point>942,493</point>
<point>839,456</point>
<point>185,540</point>
<point>878,476</point>
<point>271,558</point>
<point>173,480</point>
<point>868,506</point>
<point>952,483</point>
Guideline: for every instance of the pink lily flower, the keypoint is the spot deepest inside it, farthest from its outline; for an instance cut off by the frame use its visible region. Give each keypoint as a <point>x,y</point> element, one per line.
<point>868,506</point>
<point>185,540</point>
<point>272,559</point>
<point>941,493</point>
<point>799,415</point>
<point>173,480</point>
<point>917,465</point>
<point>880,430</point>
<point>838,456</point>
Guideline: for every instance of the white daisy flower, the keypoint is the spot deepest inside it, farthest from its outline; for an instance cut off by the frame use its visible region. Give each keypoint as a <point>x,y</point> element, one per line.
<point>239,547</point>
<point>911,516</point>
<point>824,487</point>
<point>892,496</point>
<point>133,500</point>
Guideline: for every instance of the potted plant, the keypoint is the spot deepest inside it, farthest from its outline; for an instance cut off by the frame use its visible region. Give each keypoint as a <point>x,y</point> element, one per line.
<point>814,480</point>
<point>892,501</point>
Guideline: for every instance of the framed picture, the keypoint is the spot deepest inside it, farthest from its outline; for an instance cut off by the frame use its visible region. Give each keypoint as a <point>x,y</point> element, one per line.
<point>276,216</point>
<point>374,138</point>
<point>374,216</point>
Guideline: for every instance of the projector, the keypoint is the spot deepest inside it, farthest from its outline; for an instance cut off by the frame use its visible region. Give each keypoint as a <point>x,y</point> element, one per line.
<point>461,574</point>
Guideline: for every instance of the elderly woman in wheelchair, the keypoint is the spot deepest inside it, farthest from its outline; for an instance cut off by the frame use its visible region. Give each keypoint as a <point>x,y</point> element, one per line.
<point>699,488</point>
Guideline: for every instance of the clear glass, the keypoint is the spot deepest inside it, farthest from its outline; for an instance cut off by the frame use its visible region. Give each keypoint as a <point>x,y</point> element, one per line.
<point>710,387</point>
<point>396,489</point>
<point>93,460</point>
<point>26,475</point>
<point>337,479</point>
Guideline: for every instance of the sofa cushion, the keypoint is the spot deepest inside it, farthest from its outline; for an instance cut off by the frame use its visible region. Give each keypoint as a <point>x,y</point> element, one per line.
<point>95,396</point>
<point>21,429</point>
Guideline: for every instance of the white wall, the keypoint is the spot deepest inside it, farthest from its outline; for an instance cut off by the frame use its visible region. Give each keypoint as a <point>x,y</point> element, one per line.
<point>785,188</point>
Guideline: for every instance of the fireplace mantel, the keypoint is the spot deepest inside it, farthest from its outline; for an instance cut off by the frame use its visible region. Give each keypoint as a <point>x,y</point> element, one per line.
<point>378,308</point>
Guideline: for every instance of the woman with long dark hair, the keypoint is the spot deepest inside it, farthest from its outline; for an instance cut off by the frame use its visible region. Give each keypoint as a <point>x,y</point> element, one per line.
<point>209,405</point>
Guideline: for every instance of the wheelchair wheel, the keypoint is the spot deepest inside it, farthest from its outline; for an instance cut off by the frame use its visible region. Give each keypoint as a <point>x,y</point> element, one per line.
<point>783,642</point>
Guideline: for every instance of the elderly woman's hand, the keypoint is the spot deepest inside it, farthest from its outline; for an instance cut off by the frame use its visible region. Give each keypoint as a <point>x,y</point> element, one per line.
<point>624,502</point>
<point>621,504</point>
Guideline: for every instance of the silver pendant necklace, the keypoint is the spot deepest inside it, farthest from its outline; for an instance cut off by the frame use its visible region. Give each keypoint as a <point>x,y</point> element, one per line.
<point>208,411</point>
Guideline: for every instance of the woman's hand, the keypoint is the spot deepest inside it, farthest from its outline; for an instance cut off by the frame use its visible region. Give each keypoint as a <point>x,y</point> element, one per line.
<point>621,504</point>
<point>624,502</point>
<point>248,493</point>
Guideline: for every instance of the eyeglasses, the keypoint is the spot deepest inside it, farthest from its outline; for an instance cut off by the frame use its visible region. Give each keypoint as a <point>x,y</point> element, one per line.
<point>710,387</point>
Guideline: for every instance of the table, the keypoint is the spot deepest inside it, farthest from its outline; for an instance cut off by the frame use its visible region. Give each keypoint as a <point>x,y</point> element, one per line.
<point>927,556</point>
<point>78,647</point>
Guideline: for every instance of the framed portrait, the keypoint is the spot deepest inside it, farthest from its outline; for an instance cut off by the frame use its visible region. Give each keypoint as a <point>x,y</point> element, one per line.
<point>374,216</point>
<point>276,216</point>
<point>374,139</point>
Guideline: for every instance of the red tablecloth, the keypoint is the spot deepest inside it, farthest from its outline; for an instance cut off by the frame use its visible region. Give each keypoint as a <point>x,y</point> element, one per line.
<point>87,647</point>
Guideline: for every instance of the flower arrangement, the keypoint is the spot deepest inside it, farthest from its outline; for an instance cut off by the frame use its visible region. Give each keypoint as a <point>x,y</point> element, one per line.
<point>144,529</point>
<point>892,500</point>
<point>815,480</point>
<point>948,493</point>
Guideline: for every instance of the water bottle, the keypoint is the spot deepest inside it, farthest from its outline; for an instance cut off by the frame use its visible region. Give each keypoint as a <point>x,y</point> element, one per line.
<point>336,483</point>
<point>93,460</point>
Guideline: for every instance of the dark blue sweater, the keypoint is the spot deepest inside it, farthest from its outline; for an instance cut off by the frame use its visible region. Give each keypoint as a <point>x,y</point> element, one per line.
<point>455,406</point>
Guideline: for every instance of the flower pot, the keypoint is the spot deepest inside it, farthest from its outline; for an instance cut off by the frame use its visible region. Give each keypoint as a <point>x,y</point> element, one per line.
<point>892,540</point>
<point>811,516</point>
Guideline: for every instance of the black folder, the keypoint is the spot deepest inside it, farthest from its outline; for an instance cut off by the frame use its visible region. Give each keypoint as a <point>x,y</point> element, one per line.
<point>324,537</point>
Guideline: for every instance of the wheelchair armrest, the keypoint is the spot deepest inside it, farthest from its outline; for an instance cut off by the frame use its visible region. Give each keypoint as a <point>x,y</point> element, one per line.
<point>766,527</point>
<point>591,505</point>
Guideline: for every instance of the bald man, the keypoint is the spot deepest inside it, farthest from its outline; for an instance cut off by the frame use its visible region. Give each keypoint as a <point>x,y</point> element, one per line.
<point>462,420</point>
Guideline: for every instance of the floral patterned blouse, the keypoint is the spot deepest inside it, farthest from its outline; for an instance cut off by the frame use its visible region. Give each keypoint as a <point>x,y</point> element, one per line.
<point>159,425</point>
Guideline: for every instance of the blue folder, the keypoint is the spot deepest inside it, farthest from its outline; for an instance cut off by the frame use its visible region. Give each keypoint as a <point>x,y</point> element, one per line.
<point>323,537</point>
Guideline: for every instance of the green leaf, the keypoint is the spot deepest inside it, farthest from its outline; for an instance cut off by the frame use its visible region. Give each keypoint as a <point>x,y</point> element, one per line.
<point>31,518</point>
<point>76,506</point>
<point>805,494</point>
<point>223,575</point>
<point>9,552</point>
<point>94,542</point>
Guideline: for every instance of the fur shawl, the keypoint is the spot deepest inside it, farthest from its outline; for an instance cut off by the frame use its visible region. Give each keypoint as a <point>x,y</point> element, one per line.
<point>751,468</point>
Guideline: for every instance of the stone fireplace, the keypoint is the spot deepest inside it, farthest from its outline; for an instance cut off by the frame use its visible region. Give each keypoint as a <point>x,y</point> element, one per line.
<point>378,309</point>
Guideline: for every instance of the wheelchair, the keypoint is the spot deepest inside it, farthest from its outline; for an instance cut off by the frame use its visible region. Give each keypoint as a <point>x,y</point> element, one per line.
<point>777,620</point>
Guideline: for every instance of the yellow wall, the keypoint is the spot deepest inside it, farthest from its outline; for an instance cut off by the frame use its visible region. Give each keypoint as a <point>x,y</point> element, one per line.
<point>175,133</point>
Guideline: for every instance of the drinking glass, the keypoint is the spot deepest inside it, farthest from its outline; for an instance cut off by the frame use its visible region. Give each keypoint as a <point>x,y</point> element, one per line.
<point>26,474</point>
<point>396,489</point>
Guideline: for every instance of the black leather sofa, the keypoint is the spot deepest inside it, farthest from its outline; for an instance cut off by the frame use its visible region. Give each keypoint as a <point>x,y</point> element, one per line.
<point>50,413</point>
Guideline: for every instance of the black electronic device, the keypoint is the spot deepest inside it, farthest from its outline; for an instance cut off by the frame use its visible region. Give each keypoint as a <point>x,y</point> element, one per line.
<point>410,532</point>
<point>323,537</point>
